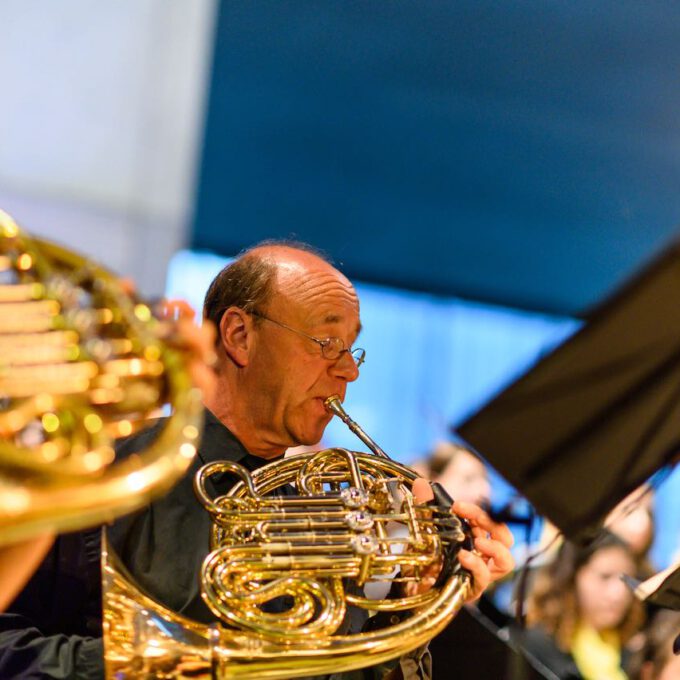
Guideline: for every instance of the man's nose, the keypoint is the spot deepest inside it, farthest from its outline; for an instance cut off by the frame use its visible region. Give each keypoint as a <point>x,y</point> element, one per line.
<point>345,367</point>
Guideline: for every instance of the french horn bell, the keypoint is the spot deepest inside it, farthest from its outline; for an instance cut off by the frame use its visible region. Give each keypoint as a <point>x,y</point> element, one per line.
<point>82,363</point>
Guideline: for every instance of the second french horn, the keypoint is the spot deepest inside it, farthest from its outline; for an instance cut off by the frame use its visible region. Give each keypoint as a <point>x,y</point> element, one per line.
<point>82,363</point>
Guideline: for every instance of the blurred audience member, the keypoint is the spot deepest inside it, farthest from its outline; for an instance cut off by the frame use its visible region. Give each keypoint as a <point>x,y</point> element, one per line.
<point>580,612</point>
<point>657,661</point>
<point>460,472</point>
<point>633,521</point>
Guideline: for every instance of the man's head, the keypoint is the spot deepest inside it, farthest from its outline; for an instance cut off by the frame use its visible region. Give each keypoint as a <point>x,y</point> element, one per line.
<point>272,380</point>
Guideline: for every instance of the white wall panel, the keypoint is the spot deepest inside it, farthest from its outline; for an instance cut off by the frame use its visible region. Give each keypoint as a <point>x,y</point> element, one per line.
<point>100,124</point>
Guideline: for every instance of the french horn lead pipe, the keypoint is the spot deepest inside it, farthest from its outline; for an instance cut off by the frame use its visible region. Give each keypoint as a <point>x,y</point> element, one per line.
<point>334,405</point>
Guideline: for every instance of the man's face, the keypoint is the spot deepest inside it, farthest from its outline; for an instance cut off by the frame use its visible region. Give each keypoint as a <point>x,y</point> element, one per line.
<point>288,377</point>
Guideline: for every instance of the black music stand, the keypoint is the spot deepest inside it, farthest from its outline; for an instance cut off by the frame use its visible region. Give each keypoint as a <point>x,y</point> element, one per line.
<point>662,589</point>
<point>480,642</point>
<point>596,417</point>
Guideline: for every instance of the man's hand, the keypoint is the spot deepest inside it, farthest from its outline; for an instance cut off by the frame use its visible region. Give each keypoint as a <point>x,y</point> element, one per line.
<point>180,331</point>
<point>18,561</point>
<point>490,561</point>
<point>196,342</point>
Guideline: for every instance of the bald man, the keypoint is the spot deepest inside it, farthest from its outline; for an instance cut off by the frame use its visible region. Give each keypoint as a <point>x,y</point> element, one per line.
<point>287,322</point>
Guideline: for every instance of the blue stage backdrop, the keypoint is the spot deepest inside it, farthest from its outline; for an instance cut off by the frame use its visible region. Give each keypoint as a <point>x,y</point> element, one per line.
<point>522,153</point>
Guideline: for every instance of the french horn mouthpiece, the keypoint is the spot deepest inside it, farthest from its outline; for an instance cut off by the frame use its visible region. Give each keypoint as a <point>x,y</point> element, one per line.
<point>333,404</point>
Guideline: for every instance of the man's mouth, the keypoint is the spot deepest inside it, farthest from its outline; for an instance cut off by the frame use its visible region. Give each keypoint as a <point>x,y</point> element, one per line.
<point>320,401</point>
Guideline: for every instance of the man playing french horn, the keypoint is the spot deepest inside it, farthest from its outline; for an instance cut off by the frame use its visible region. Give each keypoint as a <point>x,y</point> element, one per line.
<point>286,325</point>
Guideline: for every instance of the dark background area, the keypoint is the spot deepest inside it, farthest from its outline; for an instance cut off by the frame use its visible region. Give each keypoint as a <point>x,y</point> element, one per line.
<point>523,153</point>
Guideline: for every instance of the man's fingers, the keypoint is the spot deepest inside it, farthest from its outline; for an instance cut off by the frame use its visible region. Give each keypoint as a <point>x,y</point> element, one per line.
<point>491,540</point>
<point>175,309</point>
<point>481,576</point>
<point>503,562</point>
<point>199,339</point>
<point>127,285</point>
<point>478,518</point>
<point>197,343</point>
<point>204,378</point>
<point>422,490</point>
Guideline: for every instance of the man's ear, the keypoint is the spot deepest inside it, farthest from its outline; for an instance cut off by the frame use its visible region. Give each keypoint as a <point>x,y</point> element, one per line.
<point>236,335</point>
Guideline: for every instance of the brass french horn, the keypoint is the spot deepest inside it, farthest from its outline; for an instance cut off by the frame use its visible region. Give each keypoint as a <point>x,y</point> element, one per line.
<point>81,364</point>
<point>313,528</point>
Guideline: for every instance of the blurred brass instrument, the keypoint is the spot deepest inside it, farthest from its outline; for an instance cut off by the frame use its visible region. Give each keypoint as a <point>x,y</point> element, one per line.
<point>309,530</point>
<point>81,363</point>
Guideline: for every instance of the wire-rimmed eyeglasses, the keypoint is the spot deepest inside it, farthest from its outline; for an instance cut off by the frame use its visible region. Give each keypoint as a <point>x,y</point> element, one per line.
<point>331,348</point>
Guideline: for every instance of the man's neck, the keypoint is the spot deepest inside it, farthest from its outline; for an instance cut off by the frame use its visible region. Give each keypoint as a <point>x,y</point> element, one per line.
<point>242,427</point>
